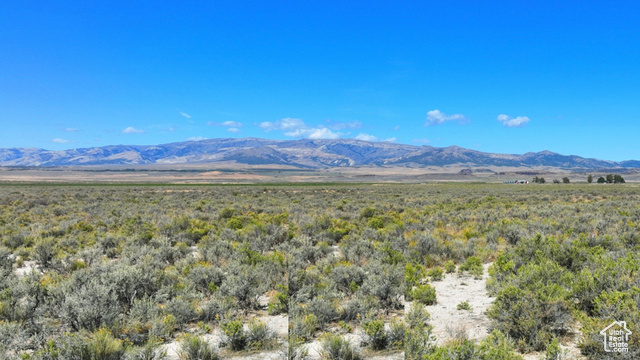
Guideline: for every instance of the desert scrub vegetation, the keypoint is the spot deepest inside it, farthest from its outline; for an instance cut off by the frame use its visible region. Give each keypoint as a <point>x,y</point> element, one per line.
<point>124,270</point>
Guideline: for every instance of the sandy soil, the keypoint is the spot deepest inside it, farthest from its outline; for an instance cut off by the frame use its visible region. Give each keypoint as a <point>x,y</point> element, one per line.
<point>447,320</point>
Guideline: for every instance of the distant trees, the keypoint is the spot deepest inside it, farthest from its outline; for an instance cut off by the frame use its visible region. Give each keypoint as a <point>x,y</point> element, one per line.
<point>590,178</point>
<point>609,179</point>
<point>538,180</point>
<point>565,180</point>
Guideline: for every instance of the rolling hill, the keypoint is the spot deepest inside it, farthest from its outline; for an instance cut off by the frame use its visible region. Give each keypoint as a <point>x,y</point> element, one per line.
<point>312,154</point>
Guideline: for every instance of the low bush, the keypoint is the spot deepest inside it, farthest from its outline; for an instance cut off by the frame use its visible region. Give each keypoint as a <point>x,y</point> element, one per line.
<point>375,335</point>
<point>193,347</point>
<point>259,336</point>
<point>234,335</point>
<point>436,274</point>
<point>424,294</point>
<point>335,347</point>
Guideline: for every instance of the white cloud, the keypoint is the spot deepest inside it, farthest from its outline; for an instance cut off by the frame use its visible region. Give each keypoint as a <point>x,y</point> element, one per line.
<point>132,130</point>
<point>196,138</point>
<point>294,127</point>
<point>395,128</point>
<point>322,133</point>
<point>172,129</point>
<point>184,114</point>
<point>233,130</point>
<point>60,141</point>
<point>507,121</point>
<point>71,130</point>
<point>283,124</point>
<point>421,141</point>
<point>436,117</point>
<point>391,139</point>
<point>366,137</point>
<point>234,124</point>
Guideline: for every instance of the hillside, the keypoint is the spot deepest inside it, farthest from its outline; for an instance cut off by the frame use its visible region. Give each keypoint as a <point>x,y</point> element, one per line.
<point>310,154</point>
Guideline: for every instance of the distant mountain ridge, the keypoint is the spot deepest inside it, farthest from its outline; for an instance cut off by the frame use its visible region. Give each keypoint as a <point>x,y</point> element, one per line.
<point>313,154</point>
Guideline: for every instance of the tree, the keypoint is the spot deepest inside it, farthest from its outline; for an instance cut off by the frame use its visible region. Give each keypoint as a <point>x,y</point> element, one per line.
<point>590,178</point>
<point>556,181</point>
<point>565,180</point>
<point>541,180</point>
<point>617,179</point>
<point>601,180</point>
<point>609,178</point>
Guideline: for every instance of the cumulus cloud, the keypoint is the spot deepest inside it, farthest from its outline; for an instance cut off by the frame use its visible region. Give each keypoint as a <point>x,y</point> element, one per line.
<point>293,127</point>
<point>507,121</point>
<point>322,133</point>
<point>391,139</point>
<point>132,130</point>
<point>196,138</point>
<point>437,117</point>
<point>71,130</point>
<point>60,141</point>
<point>366,137</point>
<point>233,130</point>
<point>184,114</point>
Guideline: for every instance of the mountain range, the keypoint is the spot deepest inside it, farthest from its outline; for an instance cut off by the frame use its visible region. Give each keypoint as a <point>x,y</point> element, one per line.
<point>312,154</point>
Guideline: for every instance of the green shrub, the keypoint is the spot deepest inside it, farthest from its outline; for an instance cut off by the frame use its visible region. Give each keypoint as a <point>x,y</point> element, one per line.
<point>280,302</point>
<point>367,212</point>
<point>417,316</point>
<point>376,336</point>
<point>450,267</point>
<point>413,273</point>
<point>103,346</point>
<point>195,348</point>
<point>418,342</point>
<point>305,328</point>
<point>345,326</point>
<point>396,335</point>
<point>460,349</point>
<point>497,346</point>
<point>335,347</point>
<point>436,274</point>
<point>553,351</point>
<point>473,265</point>
<point>531,317</point>
<point>234,334</point>
<point>151,351</point>
<point>259,336</point>
<point>424,294</point>
<point>464,306</point>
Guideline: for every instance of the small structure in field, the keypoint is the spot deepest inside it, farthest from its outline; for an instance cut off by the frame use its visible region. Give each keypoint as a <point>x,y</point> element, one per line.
<point>516,182</point>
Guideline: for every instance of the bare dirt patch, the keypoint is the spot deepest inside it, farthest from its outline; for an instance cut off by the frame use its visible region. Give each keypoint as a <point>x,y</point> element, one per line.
<point>447,320</point>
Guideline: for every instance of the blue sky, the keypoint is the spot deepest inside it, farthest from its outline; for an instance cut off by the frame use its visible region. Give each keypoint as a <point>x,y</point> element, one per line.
<point>499,76</point>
